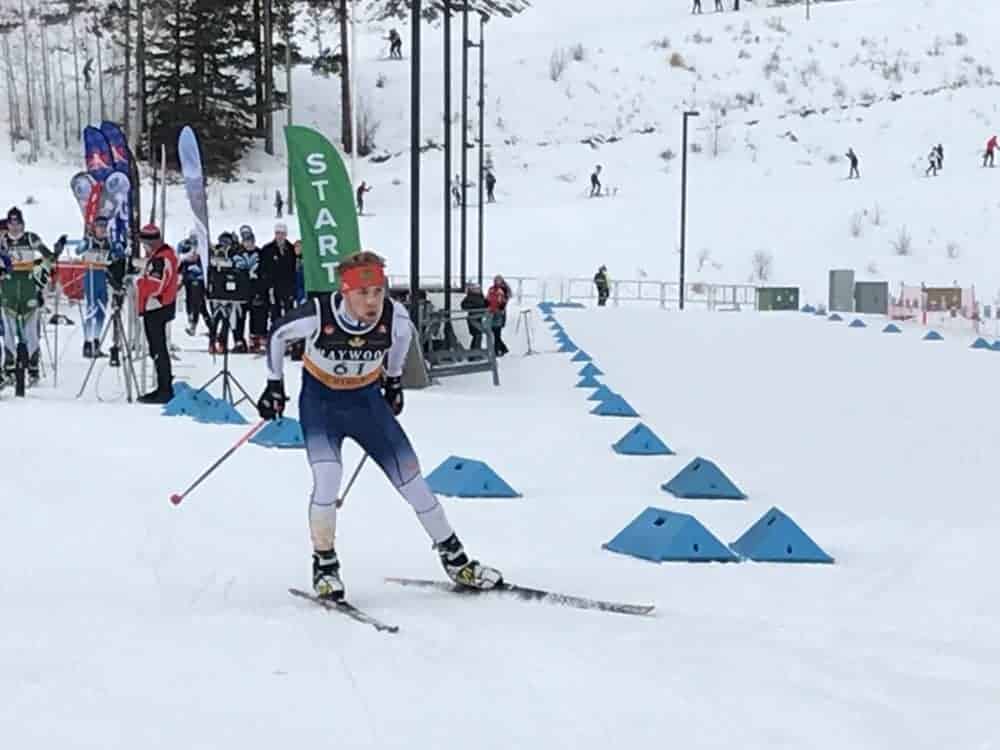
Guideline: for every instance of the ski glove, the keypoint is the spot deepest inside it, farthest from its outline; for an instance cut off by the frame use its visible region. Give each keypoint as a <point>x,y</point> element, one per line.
<point>271,404</point>
<point>392,391</point>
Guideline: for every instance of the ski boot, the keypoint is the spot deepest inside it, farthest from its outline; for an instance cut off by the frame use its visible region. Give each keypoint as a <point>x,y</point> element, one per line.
<point>462,570</point>
<point>88,350</point>
<point>96,350</point>
<point>326,575</point>
<point>240,347</point>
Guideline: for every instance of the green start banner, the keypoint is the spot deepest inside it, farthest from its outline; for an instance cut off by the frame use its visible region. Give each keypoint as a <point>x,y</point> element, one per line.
<point>324,198</point>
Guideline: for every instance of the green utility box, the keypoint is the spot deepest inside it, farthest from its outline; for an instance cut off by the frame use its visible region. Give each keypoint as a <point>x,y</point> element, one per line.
<point>777,298</point>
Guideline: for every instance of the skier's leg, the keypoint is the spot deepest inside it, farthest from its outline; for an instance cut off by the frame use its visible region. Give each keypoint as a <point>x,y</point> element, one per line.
<point>379,434</point>
<point>32,335</point>
<point>9,338</point>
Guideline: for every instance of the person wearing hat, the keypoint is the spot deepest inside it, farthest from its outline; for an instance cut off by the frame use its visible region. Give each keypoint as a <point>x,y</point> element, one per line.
<point>474,303</point>
<point>356,343</point>
<point>278,260</point>
<point>603,284</point>
<point>96,250</point>
<point>193,277</point>
<point>31,263</point>
<point>260,299</point>
<point>156,289</point>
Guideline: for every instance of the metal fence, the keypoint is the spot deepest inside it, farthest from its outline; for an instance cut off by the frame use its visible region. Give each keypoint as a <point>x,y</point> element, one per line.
<point>665,294</point>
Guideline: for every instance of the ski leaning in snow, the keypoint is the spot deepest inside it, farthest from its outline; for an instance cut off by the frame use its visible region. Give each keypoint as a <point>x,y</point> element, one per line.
<point>529,594</point>
<point>346,608</point>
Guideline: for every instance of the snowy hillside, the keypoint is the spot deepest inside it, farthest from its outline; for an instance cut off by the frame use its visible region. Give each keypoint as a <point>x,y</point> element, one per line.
<point>134,623</point>
<point>781,99</point>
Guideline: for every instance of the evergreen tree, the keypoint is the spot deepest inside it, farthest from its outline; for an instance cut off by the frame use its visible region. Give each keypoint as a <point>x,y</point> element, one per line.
<point>193,64</point>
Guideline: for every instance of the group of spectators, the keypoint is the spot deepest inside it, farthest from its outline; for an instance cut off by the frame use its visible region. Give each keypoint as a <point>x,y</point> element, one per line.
<point>487,311</point>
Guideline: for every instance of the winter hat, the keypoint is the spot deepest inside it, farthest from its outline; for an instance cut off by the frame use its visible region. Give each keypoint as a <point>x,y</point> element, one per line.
<point>281,227</point>
<point>102,219</point>
<point>15,215</point>
<point>246,233</point>
<point>149,232</point>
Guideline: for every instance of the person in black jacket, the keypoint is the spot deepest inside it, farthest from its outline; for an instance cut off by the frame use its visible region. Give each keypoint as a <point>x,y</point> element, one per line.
<point>474,303</point>
<point>279,263</point>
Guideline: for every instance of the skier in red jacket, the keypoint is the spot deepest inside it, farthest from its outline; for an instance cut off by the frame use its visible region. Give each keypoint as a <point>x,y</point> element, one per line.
<point>157,293</point>
<point>991,147</point>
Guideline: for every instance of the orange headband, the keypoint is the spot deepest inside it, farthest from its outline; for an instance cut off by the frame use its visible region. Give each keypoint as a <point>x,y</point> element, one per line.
<point>361,276</point>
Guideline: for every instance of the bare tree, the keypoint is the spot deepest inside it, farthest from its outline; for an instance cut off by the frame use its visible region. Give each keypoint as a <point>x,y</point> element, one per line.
<point>32,135</point>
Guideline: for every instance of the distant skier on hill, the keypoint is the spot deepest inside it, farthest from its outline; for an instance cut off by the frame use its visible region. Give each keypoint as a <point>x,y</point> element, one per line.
<point>696,8</point>
<point>933,164</point>
<point>491,183</point>
<point>395,45</point>
<point>991,147</point>
<point>595,182</point>
<point>360,196</point>
<point>853,158</point>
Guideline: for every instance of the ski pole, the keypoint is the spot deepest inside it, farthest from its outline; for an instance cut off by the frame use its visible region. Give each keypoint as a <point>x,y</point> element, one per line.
<point>177,497</point>
<point>350,482</point>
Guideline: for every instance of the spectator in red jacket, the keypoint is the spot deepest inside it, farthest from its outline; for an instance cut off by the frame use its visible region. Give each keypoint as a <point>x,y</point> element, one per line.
<point>496,304</point>
<point>157,293</point>
<point>991,147</point>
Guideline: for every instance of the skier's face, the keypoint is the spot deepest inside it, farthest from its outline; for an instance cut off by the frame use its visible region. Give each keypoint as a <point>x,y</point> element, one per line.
<point>14,228</point>
<point>100,231</point>
<point>365,304</point>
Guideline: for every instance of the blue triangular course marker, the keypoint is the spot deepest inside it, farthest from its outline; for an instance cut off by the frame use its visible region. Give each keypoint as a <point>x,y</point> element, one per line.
<point>581,356</point>
<point>891,328</point>
<point>996,345</point>
<point>820,311</point>
<point>614,406</point>
<point>641,441</point>
<point>602,394</point>
<point>589,382</point>
<point>549,318</point>
<point>466,477</point>
<point>663,536</point>
<point>545,307</point>
<point>835,318</point>
<point>777,538</point>
<point>590,369</point>
<point>570,305</point>
<point>567,347</point>
<point>187,402</point>
<point>857,323</point>
<point>703,480</point>
<point>980,343</point>
<point>808,309</point>
<point>562,337</point>
<point>220,412</point>
<point>280,433</point>
<point>933,336</point>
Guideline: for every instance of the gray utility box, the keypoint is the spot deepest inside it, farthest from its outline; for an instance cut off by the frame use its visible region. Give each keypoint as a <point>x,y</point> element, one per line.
<point>841,291</point>
<point>871,297</point>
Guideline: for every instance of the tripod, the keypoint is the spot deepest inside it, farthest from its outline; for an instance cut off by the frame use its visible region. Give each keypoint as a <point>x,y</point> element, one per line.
<point>120,345</point>
<point>222,316</point>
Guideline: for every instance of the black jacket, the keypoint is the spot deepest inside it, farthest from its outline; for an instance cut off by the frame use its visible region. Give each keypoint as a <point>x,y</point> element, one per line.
<point>474,301</point>
<point>278,263</point>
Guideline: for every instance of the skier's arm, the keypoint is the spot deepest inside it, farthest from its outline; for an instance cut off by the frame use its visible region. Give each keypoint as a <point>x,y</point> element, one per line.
<point>300,323</point>
<point>402,332</point>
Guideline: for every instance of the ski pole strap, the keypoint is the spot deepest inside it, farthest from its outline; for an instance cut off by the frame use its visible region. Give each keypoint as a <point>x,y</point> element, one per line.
<point>177,497</point>
<point>350,482</point>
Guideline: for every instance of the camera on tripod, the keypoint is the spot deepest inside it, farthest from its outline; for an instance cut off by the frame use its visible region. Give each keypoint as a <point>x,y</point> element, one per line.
<point>228,284</point>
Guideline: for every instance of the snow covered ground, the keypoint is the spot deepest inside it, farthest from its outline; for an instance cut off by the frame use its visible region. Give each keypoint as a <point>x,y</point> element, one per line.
<point>786,97</point>
<point>131,622</point>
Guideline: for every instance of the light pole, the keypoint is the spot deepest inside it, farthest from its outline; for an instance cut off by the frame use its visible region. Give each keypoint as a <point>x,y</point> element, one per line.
<point>415,165</point>
<point>483,18</point>
<point>684,180</point>
<point>466,43</point>
<point>447,154</point>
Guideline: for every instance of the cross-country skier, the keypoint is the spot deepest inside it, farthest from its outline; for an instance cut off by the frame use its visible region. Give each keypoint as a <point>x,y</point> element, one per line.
<point>853,159</point>
<point>395,45</point>
<point>363,188</point>
<point>260,301</point>
<point>991,147</point>
<point>96,250</point>
<point>351,337</point>
<point>595,182</point>
<point>491,184</point>
<point>193,276</point>
<point>20,294</point>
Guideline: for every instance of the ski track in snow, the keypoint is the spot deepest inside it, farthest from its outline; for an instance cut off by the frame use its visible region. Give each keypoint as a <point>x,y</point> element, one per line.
<point>137,622</point>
